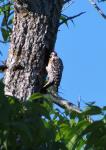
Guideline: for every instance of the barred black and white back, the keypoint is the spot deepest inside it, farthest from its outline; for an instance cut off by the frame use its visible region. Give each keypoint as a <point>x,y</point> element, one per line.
<point>54,72</point>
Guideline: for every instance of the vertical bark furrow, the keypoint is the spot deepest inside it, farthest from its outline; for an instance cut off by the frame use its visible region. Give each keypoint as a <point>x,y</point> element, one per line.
<point>33,38</point>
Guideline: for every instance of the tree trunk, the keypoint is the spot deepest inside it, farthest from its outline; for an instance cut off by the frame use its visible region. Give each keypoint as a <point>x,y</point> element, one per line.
<point>32,40</point>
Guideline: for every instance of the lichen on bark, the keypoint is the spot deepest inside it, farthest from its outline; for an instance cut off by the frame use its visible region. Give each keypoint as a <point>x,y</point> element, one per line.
<point>33,38</point>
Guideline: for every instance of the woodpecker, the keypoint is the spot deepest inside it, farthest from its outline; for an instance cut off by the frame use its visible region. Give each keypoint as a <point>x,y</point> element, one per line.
<point>54,72</point>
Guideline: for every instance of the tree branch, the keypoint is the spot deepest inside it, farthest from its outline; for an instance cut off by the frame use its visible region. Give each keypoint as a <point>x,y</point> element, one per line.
<point>4,42</point>
<point>66,1</point>
<point>101,1</point>
<point>63,103</point>
<point>70,18</point>
<point>97,8</point>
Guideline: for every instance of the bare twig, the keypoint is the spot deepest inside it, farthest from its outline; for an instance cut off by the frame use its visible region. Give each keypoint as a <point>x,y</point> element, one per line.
<point>68,5</point>
<point>70,18</point>
<point>63,103</point>
<point>97,8</point>
<point>67,1</point>
<point>101,1</point>
<point>4,42</point>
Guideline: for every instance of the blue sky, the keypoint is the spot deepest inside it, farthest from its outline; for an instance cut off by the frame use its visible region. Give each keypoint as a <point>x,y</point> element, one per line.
<point>82,48</point>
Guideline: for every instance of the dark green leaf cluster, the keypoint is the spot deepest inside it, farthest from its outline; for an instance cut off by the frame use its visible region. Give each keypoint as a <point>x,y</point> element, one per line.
<point>28,125</point>
<point>38,125</point>
<point>94,134</point>
<point>6,12</point>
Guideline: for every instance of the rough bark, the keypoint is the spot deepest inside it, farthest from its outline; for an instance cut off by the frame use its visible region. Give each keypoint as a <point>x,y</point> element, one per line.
<point>33,38</point>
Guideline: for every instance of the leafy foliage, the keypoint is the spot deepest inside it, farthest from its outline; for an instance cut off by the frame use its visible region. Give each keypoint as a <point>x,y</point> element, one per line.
<point>6,12</point>
<point>37,124</point>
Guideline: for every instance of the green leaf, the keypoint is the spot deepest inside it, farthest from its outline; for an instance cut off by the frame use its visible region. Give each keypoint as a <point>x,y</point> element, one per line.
<point>63,19</point>
<point>3,22</point>
<point>104,108</point>
<point>23,129</point>
<point>94,126</point>
<point>5,34</point>
<point>1,90</point>
<point>36,96</point>
<point>93,110</point>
